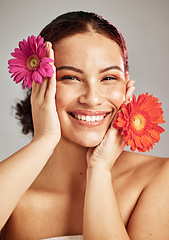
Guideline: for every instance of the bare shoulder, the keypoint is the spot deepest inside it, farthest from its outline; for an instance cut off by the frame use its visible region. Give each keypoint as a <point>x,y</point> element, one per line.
<point>159,184</point>
<point>146,165</point>
<point>140,171</point>
<point>31,217</point>
<point>40,214</point>
<point>150,218</point>
<point>17,224</point>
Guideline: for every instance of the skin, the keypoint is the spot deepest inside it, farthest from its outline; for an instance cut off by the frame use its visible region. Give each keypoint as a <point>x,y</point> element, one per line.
<point>90,90</point>
<point>89,185</point>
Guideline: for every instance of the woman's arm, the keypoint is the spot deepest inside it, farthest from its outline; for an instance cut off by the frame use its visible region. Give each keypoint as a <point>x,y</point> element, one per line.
<point>19,171</point>
<point>102,218</point>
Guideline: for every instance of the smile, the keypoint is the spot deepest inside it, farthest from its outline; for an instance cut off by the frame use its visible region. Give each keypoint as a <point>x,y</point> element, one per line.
<point>89,118</point>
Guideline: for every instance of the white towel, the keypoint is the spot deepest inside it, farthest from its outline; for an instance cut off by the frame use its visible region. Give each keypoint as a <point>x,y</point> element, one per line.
<point>77,237</point>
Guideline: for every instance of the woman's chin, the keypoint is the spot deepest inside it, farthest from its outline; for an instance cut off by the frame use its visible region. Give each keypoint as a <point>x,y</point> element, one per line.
<point>85,142</point>
<point>91,144</point>
<point>82,142</point>
<point>87,139</point>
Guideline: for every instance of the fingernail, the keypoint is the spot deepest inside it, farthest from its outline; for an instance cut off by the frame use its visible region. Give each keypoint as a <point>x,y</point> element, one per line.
<point>52,53</point>
<point>132,82</point>
<point>48,45</point>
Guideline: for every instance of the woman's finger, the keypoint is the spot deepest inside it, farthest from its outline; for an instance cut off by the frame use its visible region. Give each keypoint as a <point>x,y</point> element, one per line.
<point>130,83</point>
<point>129,93</point>
<point>130,90</point>
<point>51,89</point>
<point>34,85</point>
<point>42,88</point>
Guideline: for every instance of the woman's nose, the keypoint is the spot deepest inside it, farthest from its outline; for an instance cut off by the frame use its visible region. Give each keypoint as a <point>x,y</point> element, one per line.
<point>91,96</point>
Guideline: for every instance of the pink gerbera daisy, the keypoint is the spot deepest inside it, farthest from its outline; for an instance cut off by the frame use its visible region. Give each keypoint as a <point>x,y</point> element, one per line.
<point>29,63</point>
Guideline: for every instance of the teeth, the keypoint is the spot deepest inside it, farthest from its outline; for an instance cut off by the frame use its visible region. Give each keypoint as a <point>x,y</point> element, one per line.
<point>83,118</point>
<point>89,118</point>
<point>93,118</point>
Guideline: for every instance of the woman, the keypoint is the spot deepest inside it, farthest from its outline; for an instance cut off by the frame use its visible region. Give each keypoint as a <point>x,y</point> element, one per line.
<point>74,178</point>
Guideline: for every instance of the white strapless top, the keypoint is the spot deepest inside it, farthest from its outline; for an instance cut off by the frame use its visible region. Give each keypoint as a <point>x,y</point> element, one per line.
<point>77,237</point>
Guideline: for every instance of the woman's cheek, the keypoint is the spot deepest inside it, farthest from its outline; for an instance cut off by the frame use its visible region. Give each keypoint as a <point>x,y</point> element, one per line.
<point>58,96</point>
<point>61,98</point>
<point>117,96</point>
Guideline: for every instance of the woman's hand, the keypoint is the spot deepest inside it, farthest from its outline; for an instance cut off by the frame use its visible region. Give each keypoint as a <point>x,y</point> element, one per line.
<point>44,114</point>
<point>106,153</point>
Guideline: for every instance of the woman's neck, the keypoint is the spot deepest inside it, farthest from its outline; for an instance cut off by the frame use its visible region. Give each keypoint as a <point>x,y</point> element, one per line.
<point>66,169</point>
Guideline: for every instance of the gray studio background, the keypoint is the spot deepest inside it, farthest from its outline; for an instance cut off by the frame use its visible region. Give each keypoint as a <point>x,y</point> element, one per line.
<point>144,24</point>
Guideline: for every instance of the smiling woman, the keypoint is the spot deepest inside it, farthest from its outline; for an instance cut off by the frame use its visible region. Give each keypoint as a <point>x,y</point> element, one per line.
<point>94,85</point>
<point>74,180</point>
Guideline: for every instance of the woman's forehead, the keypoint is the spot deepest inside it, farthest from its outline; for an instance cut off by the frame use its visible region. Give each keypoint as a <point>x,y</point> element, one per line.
<point>85,38</point>
<point>94,48</point>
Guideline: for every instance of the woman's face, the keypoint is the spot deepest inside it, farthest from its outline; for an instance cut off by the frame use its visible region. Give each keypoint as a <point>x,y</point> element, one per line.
<point>91,86</point>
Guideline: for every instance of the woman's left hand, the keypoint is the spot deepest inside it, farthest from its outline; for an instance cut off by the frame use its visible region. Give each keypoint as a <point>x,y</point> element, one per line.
<point>106,153</point>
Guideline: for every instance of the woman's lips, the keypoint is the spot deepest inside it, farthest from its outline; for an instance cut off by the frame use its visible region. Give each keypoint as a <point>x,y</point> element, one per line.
<point>89,118</point>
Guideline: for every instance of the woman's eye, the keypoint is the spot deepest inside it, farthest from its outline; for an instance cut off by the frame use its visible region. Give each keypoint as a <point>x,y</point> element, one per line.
<point>109,78</point>
<point>69,78</point>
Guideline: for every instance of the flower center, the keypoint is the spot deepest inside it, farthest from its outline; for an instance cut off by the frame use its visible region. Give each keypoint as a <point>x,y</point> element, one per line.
<point>32,62</point>
<point>138,122</point>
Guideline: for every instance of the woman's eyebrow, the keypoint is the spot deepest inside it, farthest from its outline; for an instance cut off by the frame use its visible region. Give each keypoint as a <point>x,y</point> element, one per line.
<point>80,71</point>
<point>69,68</point>
<point>111,68</point>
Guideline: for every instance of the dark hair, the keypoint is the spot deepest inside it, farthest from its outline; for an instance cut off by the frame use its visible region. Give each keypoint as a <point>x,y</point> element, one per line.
<point>65,25</point>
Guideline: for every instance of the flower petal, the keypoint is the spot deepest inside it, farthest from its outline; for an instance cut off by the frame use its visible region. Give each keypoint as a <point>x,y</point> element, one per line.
<point>15,69</point>
<point>42,72</point>
<point>37,77</point>
<point>41,51</point>
<point>48,68</point>
<point>48,60</point>
<point>32,43</point>
<point>145,113</point>
<point>20,76</point>
<point>19,54</point>
<point>28,81</point>
<point>17,62</point>
<point>25,49</point>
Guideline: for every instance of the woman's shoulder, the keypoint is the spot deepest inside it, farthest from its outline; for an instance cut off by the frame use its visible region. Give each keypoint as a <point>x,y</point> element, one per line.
<point>151,210</point>
<point>37,210</point>
<point>147,166</point>
<point>140,159</point>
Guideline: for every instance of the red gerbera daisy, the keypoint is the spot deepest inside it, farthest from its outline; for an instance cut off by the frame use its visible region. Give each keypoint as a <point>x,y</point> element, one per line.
<point>30,64</point>
<point>139,122</point>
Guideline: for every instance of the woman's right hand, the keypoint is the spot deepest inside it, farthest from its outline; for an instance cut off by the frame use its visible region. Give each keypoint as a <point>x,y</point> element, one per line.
<point>45,118</point>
